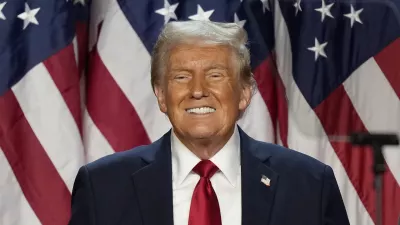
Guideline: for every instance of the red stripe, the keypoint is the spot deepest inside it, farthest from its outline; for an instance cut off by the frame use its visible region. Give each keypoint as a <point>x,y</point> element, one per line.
<point>83,43</point>
<point>111,110</point>
<point>357,161</point>
<point>272,91</point>
<point>266,86</point>
<point>283,110</point>
<point>64,72</point>
<point>388,61</point>
<point>391,197</point>
<point>39,180</point>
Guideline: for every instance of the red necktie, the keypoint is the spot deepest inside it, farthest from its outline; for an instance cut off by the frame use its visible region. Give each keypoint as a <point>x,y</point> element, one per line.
<point>204,209</point>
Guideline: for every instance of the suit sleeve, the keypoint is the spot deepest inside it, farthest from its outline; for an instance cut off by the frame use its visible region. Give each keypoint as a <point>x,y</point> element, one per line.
<point>82,203</point>
<point>333,209</point>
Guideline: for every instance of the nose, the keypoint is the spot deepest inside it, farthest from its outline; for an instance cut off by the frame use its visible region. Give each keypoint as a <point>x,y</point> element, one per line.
<point>198,87</point>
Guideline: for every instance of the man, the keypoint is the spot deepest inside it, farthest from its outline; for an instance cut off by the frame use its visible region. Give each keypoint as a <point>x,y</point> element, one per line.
<point>206,170</point>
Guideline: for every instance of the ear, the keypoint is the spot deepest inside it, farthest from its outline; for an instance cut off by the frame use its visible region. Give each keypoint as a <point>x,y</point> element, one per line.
<point>160,94</point>
<point>245,97</point>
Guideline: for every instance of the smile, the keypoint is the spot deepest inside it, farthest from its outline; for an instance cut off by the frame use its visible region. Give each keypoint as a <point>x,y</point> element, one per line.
<point>201,110</point>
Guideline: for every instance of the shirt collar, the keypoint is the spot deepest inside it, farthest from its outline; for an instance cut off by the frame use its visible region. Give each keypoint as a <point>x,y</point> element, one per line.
<point>227,159</point>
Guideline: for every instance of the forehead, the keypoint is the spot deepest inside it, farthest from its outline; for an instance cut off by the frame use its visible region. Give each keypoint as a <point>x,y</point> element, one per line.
<point>190,54</point>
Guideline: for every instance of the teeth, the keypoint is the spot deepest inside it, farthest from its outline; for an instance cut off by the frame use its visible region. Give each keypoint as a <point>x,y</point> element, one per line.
<point>201,110</point>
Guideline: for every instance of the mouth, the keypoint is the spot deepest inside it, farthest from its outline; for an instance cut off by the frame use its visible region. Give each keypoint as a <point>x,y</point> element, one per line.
<point>201,110</point>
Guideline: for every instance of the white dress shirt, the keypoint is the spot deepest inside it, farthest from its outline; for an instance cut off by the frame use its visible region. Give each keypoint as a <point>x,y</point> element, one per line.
<point>226,182</point>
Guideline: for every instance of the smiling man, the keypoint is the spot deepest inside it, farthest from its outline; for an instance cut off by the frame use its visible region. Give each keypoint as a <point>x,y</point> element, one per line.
<point>206,170</point>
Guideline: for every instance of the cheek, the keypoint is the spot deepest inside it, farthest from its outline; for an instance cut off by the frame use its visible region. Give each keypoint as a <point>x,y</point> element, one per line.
<point>228,96</point>
<point>175,95</point>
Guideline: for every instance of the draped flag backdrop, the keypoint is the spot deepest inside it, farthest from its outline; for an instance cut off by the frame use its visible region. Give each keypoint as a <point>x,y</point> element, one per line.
<point>75,86</point>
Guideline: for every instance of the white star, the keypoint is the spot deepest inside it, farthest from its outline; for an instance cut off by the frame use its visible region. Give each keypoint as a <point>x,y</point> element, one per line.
<point>168,11</point>
<point>201,15</point>
<point>297,6</point>
<point>265,4</point>
<point>318,49</point>
<point>325,10</point>
<point>29,16</point>
<point>2,16</point>
<point>239,22</point>
<point>354,15</point>
<point>79,1</point>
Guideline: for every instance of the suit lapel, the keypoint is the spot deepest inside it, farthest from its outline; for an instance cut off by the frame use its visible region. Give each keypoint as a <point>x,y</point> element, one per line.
<point>153,186</point>
<point>257,197</point>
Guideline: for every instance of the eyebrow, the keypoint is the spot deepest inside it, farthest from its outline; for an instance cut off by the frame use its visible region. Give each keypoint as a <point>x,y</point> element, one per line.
<point>217,66</point>
<point>211,67</point>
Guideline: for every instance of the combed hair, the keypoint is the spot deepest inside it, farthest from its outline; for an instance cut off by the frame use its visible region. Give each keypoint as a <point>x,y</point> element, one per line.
<point>202,32</point>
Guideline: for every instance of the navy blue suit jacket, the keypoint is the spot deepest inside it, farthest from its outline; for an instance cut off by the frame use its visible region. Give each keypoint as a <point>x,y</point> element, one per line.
<point>135,187</point>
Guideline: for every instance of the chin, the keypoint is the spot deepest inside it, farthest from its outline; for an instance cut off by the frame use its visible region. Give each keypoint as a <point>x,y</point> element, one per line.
<point>201,132</point>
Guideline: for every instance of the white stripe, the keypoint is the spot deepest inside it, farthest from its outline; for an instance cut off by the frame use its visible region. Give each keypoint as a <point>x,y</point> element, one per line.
<point>14,208</point>
<point>96,146</point>
<point>305,133</point>
<point>51,121</point>
<point>76,49</point>
<point>98,11</point>
<point>124,55</point>
<point>377,105</point>
<point>256,121</point>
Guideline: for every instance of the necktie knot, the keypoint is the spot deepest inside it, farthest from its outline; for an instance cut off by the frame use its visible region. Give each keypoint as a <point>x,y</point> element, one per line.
<point>205,169</point>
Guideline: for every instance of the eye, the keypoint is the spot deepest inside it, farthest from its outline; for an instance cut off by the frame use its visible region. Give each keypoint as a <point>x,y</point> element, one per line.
<point>181,77</point>
<point>215,75</point>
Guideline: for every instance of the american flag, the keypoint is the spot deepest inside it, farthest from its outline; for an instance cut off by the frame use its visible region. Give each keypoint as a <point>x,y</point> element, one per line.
<point>75,86</point>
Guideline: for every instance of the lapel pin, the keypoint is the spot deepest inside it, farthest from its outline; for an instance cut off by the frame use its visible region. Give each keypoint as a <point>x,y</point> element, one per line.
<point>265,180</point>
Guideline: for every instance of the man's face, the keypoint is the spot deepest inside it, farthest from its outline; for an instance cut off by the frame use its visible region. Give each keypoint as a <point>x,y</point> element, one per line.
<point>201,92</point>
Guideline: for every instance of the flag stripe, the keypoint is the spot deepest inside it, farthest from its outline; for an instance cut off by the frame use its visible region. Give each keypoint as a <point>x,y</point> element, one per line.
<point>258,109</point>
<point>270,87</point>
<point>64,72</point>
<point>40,182</point>
<point>320,148</point>
<point>40,100</point>
<point>96,145</point>
<point>110,110</point>
<point>99,12</point>
<point>132,72</point>
<point>306,135</point>
<point>313,141</point>
<point>13,202</point>
<point>265,77</point>
<point>282,111</point>
<point>358,161</point>
<point>372,109</point>
<point>391,199</point>
<point>388,61</point>
<point>76,51</point>
<point>372,106</point>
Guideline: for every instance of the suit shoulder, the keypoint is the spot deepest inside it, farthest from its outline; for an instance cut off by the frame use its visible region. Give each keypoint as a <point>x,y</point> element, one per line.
<point>286,160</point>
<point>129,160</point>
